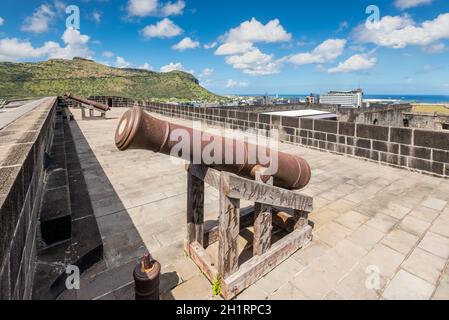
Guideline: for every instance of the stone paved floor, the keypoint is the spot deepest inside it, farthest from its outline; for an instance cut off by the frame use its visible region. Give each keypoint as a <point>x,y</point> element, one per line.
<point>379,232</point>
<point>9,115</point>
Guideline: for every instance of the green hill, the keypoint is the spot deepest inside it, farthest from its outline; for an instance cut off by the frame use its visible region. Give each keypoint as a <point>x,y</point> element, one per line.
<point>85,77</point>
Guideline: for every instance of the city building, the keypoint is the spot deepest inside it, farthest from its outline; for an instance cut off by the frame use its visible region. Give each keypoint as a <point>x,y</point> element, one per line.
<point>348,99</point>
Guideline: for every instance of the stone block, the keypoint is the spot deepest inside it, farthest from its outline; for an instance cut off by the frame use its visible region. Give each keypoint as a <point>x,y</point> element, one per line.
<point>346,128</point>
<point>372,132</point>
<point>431,139</point>
<point>401,135</point>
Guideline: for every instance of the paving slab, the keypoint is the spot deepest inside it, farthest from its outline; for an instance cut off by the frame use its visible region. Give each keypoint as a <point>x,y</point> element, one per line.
<point>365,215</point>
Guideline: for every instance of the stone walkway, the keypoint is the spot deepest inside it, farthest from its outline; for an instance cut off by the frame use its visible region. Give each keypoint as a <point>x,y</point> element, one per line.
<point>379,232</point>
<point>9,115</point>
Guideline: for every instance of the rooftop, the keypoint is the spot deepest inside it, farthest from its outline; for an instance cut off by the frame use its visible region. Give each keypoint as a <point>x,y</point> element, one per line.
<point>370,222</point>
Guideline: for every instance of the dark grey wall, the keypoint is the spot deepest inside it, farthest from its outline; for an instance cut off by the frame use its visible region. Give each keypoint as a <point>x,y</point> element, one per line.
<point>419,150</point>
<point>21,180</point>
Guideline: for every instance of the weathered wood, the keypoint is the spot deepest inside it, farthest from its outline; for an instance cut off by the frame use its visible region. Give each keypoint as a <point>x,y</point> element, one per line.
<point>246,220</point>
<point>208,175</point>
<point>202,260</point>
<point>195,209</point>
<point>228,231</point>
<point>259,266</point>
<point>241,188</point>
<point>302,219</point>
<point>262,229</point>
<point>283,219</point>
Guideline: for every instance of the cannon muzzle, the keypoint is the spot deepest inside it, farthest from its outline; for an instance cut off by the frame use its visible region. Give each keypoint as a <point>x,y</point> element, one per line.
<point>138,130</point>
<point>91,103</point>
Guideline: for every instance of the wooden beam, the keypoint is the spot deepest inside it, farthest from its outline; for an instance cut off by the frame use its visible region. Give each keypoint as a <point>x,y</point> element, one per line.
<point>203,261</point>
<point>241,188</point>
<point>302,219</point>
<point>246,220</point>
<point>259,266</point>
<point>208,175</point>
<point>228,231</point>
<point>263,227</point>
<point>195,209</point>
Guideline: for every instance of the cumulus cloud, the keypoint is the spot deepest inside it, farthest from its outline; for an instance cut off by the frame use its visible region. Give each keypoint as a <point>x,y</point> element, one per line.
<point>211,45</point>
<point>355,63</point>
<point>207,72</point>
<point>163,29</point>
<point>186,43</point>
<point>40,20</point>
<point>327,51</point>
<point>120,62</point>
<point>76,45</point>
<point>401,31</point>
<point>146,66</point>
<point>144,8</point>
<point>406,4</point>
<point>173,8</point>
<point>235,84</point>
<point>96,16</point>
<point>175,67</point>
<point>435,48</point>
<point>108,54</point>
<point>255,63</point>
<point>253,31</point>
<point>239,46</point>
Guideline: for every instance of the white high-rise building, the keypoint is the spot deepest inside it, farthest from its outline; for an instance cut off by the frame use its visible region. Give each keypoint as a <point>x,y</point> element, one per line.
<point>349,99</point>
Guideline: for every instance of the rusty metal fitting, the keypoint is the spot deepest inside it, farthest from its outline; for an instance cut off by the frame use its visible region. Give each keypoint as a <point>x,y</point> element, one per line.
<point>94,104</point>
<point>147,278</point>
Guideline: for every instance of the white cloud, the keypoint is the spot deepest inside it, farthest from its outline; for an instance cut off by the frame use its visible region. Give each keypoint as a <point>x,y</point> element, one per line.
<point>120,62</point>
<point>207,72</point>
<point>108,54</point>
<point>435,48</point>
<point>254,31</point>
<point>255,63</point>
<point>144,8</point>
<point>406,4</point>
<point>97,17</point>
<point>239,46</point>
<point>231,48</point>
<point>76,45</point>
<point>327,51</point>
<point>163,29</point>
<point>186,43</point>
<point>211,45</point>
<point>2,21</point>
<point>141,8</point>
<point>357,62</point>
<point>40,20</point>
<point>146,66</point>
<point>173,8</point>
<point>401,31</point>
<point>235,84</point>
<point>175,67</point>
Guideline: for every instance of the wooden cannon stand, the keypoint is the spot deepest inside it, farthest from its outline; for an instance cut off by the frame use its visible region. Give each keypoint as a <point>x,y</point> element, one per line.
<point>271,207</point>
<point>91,110</point>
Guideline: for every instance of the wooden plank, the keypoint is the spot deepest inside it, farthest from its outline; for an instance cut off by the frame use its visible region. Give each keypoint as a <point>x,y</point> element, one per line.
<point>246,220</point>
<point>195,209</point>
<point>302,219</point>
<point>203,261</point>
<point>259,266</point>
<point>263,227</point>
<point>208,175</point>
<point>228,232</point>
<point>241,188</point>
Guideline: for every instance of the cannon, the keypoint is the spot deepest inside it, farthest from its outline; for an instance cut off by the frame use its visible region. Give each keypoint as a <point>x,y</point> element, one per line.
<point>139,130</point>
<point>96,105</point>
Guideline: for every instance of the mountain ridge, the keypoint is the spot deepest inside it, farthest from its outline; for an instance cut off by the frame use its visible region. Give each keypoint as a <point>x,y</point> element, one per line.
<point>87,78</point>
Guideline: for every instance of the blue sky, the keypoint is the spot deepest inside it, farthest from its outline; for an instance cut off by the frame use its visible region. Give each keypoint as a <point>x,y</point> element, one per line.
<point>246,46</point>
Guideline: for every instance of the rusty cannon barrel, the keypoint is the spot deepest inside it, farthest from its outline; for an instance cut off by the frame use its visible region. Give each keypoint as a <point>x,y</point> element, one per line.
<point>94,104</point>
<point>139,130</point>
